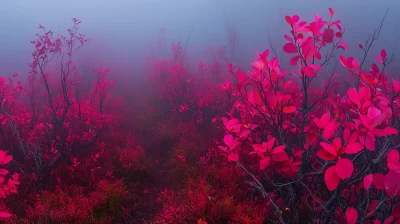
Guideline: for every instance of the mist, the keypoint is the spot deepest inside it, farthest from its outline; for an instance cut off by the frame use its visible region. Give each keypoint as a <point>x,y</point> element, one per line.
<point>121,32</point>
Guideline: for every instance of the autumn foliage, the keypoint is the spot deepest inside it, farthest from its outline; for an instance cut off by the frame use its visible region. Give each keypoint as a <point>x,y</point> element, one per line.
<point>309,142</point>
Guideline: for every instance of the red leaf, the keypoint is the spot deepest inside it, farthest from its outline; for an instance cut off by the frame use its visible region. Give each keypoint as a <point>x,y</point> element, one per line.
<point>288,20</point>
<point>374,68</point>
<point>242,77</point>
<point>5,215</point>
<point>343,46</point>
<point>328,35</point>
<point>354,96</point>
<point>343,61</point>
<point>289,38</point>
<point>264,162</point>
<point>331,178</point>
<point>310,71</point>
<point>289,109</point>
<point>368,180</point>
<point>279,149</point>
<point>228,139</point>
<point>383,54</point>
<point>329,130</point>
<point>233,157</point>
<point>290,48</point>
<point>255,97</point>
<point>378,59</point>
<point>329,149</point>
<point>323,121</point>
<point>392,183</point>
<point>361,46</point>
<point>3,172</point>
<point>294,60</point>
<point>308,48</point>
<point>325,155</point>
<point>386,131</point>
<point>331,12</point>
<point>280,157</point>
<point>244,133</point>
<point>295,18</point>
<point>393,156</point>
<point>346,134</point>
<point>396,86</point>
<point>318,55</point>
<point>272,100</point>
<point>344,168</point>
<point>259,148</point>
<point>351,215</point>
<point>354,148</point>
<point>379,180</point>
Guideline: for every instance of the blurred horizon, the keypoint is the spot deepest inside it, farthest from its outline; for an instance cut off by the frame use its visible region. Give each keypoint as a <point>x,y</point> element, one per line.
<point>121,31</point>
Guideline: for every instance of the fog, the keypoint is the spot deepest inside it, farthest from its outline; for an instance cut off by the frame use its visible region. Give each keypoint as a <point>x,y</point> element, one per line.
<point>121,31</point>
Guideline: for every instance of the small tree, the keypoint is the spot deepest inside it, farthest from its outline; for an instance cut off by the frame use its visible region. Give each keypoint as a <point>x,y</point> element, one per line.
<point>313,152</point>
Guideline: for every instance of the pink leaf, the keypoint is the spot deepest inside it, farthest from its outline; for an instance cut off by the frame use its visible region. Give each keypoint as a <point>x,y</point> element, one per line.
<point>234,157</point>
<point>295,18</point>
<point>342,45</point>
<point>308,48</point>
<point>289,109</point>
<point>3,172</point>
<point>386,131</point>
<point>354,96</point>
<point>289,38</point>
<point>379,180</point>
<point>328,35</point>
<point>368,180</point>
<point>288,20</point>
<point>5,215</point>
<point>393,156</point>
<point>354,148</point>
<point>321,123</point>
<point>383,54</point>
<point>331,178</point>
<point>228,139</point>
<point>378,59</point>
<point>294,60</point>
<point>344,168</point>
<point>279,149</point>
<point>396,86</point>
<point>361,46</point>
<point>343,61</point>
<point>392,183</point>
<point>331,12</point>
<point>290,48</point>
<point>259,148</point>
<point>329,130</point>
<point>310,71</point>
<point>255,98</point>
<point>328,148</point>
<point>280,157</point>
<point>244,133</point>
<point>351,215</point>
<point>318,55</point>
<point>242,77</point>
<point>264,162</point>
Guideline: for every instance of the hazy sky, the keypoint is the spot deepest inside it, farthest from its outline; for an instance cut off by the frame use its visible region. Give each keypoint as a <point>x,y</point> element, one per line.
<point>120,30</point>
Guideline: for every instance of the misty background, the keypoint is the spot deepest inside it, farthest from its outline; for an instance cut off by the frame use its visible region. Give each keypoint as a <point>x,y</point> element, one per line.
<point>120,31</point>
